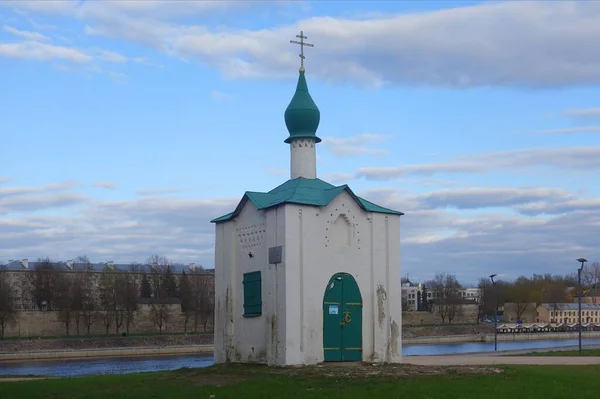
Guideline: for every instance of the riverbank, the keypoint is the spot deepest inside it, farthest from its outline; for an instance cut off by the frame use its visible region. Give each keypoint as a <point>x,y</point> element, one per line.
<point>456,339</point>
<point>108,352</point>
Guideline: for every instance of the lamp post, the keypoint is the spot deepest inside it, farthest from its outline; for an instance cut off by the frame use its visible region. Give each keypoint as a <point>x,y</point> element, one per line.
<point>495,313</point>
<point>582,261</point>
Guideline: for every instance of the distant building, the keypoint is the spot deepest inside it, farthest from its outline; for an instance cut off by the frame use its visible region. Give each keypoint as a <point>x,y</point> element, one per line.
<point>18,270</point>
<point>568,313</point>
<point>412,296</point>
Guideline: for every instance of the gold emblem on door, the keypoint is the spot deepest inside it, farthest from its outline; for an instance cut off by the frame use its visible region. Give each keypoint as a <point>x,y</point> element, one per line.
<point>347,318</point>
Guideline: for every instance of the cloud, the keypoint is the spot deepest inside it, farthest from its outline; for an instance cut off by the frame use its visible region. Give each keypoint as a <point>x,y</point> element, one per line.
<point>42,52</point>
<point>39,202</point>
<point>64,7</point>
<point>27,35</point>
<point>24,190</point>
<point>105,184</point>
<point>121,230</point>
<point>559,207</point>
<point>572,158</point>
<point>477,198</point>
<point>355,145</point>
<point>567,130</point>
<point>583,112</point>
<point>435,237</point>
<point>554,39</point>
<point>338,178</point>
<point>220,96</point>
<point>158,191</point>
<point>436,240</point>
<point>111,56</point>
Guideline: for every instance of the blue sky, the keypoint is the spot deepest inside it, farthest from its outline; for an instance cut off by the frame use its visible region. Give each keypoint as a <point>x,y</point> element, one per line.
<point>128,125</point>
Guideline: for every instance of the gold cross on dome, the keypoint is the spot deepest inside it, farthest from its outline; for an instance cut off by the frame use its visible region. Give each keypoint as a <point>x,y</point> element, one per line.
<point>302,43</point>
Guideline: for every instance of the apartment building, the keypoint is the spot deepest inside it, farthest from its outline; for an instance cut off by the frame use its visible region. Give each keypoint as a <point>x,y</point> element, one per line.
<point>568,313</point>
<point>18,271</point>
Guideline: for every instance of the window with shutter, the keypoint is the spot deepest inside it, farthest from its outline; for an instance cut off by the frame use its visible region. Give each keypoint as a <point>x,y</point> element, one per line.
<point>252,294</point>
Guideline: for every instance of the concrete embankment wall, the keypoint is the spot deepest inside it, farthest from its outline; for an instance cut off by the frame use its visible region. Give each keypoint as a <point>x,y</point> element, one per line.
<point>448,339</point>
<point>108,352</point>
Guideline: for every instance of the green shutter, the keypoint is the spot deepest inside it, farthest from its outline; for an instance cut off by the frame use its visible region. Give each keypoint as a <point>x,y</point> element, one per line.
<point>252,294</point>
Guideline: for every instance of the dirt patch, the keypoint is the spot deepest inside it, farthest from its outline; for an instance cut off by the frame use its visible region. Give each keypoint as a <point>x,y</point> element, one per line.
<point>235,373</point>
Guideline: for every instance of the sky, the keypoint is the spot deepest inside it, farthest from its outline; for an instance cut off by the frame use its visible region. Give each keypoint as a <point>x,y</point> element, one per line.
<point>126,126</point>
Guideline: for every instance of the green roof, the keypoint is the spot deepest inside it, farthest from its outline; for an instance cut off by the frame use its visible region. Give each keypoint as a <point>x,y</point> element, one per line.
<point>301,191</point>
<point>302,115</point>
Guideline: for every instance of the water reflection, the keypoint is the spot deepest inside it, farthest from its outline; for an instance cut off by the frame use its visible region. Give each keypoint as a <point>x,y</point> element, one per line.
<point>125,365</point>
<point>117,365</point>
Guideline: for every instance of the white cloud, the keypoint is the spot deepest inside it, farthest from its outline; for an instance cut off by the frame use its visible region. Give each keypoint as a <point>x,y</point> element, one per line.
<point>583,112</point>
<point>573,158</point>
<point>111,56</point>
<point>338,178</point>
<point>27,35</point>
<point>42,52</point>
<point>554,39</point>
<point>158,191</point>
<point>477,198</point>
<point>105,184</point>
<point>567,130</point>
<point>441,239</point>
<point>447,48</point>
<point>355,145</point>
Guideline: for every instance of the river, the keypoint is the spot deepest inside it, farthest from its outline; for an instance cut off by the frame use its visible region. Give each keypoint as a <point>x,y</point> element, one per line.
<point>125,365</point>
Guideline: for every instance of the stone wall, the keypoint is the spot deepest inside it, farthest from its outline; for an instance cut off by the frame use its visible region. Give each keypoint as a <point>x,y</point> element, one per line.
<point>528,316</point>
<point>43,323</point>
<point>469,315</point>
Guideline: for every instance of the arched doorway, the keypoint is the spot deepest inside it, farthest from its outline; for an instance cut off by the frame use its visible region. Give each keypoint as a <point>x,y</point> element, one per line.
<point>342,320</point>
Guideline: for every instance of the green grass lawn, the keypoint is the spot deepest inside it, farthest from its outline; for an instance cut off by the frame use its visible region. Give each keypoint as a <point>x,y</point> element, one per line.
<point>585,352</point>
<point>257,382</point>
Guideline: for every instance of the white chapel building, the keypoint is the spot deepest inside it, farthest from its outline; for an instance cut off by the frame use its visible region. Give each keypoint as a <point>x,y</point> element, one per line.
<point>307,272</point>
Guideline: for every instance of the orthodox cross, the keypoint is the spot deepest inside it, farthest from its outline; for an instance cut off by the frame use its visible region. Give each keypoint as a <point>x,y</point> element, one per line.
<point>302,43</point>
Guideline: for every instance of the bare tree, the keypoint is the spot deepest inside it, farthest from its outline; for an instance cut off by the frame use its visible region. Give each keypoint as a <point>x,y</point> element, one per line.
<point>187,299</point>
<point>107,297</point>
<point>160,312</point>
<point>7,305</point>
<point>64,298</point>
<point>522,293</point>
<point>591,278</point>
<point>446,290</point>
<point>126,298</point>
<point>42,283</point>
<point>202,287</point>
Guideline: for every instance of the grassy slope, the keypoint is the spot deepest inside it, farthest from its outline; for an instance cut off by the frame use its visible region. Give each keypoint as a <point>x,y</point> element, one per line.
<point>546,382</point>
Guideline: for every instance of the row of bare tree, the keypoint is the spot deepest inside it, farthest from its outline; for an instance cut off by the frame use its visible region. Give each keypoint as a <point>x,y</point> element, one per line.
<point>537,289</point>
<point>448,303</point>
<point>83,296</point>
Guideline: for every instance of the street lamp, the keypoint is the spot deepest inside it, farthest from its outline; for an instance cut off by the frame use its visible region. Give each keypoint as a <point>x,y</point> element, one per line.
<point>495,313</point>
<point>582,261</point>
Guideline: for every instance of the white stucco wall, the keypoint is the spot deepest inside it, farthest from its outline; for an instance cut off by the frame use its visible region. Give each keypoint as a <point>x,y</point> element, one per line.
<point>239,338</point>
<point>317,243</point>
<point>303,159</point>
<point>342,238</point>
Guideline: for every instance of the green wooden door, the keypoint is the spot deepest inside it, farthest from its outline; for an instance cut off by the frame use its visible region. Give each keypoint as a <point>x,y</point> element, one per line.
<point>342,320</point>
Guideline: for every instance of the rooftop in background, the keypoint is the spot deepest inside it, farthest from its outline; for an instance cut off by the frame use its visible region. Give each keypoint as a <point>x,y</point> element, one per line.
<point>571,306</point>
<point>24,264</point>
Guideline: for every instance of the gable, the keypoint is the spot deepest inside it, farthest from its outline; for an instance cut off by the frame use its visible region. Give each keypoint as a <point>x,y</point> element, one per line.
<point>301,191</point>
